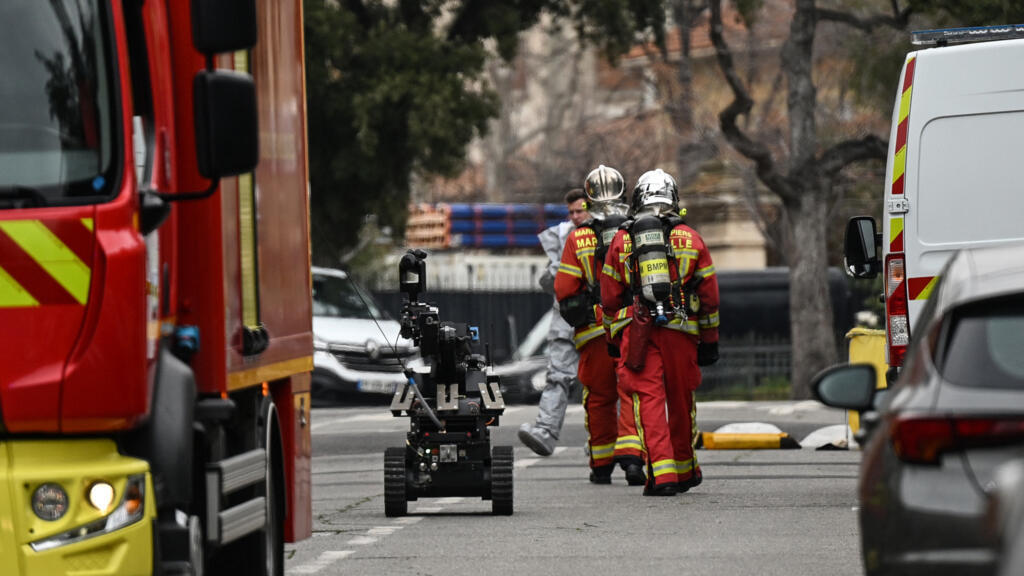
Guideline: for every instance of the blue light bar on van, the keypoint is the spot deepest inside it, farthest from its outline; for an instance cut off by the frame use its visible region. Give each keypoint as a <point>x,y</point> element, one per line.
<point>963,35</point>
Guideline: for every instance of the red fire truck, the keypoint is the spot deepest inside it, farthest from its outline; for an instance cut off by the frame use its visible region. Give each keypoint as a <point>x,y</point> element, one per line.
<point>155,316</point>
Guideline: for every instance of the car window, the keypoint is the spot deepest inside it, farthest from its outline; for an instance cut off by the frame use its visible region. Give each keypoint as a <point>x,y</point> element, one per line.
<point>536,341</point>
<point>985,344</point>
<point>338,297</point>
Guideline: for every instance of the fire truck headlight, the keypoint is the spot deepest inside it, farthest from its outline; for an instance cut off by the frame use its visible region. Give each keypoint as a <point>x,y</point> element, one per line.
<point>130,510</point>
<point>101,496</point>
<point>50,501</point>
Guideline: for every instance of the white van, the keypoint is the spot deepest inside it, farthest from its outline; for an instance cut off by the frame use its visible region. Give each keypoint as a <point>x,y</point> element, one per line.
<point>357,346</point>
<point>954,169</point>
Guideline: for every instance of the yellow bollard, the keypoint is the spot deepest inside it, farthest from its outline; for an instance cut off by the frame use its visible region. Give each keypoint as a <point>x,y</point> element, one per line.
<point>726,441</point>
<point>867,346</point>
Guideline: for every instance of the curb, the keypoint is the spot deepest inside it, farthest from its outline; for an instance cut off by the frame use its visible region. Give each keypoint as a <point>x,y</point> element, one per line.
<point>745,441</point>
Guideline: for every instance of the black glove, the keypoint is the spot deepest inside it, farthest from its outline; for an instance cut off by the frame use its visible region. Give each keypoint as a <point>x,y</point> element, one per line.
<point>613,350</point>
<point>707,353</point>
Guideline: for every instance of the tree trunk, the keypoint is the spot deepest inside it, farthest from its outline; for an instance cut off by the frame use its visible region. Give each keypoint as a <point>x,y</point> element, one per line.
<point>810,305</point>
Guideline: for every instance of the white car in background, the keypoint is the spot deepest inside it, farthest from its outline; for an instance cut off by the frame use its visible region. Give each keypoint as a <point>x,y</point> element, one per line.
<point>357,346</point>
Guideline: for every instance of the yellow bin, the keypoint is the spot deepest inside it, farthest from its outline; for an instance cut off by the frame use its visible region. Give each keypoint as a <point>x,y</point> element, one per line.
<point>867,346</point>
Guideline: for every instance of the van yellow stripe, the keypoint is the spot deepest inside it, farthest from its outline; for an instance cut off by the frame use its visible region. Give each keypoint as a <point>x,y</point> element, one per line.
<point>899,164</point>
<point>48,251</point>
<point>87,222</point>
<point>12,295</point>
<point>905,103</point>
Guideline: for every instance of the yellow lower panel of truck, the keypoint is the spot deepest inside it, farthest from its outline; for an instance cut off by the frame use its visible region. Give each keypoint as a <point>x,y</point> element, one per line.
<point>83,541</point>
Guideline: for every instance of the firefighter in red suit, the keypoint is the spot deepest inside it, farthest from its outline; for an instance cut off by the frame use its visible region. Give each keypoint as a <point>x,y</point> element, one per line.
<point>612,433</point>
<point>658,286</point>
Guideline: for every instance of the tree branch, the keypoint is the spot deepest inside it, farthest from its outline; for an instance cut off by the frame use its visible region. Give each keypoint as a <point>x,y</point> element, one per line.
<point>741,105</point>
<point>841,155</point>
<point>898,19</point>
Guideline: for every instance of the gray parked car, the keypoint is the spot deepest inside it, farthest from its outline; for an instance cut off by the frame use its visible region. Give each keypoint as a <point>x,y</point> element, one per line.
<point>954,415</point>
<point>357,346</point>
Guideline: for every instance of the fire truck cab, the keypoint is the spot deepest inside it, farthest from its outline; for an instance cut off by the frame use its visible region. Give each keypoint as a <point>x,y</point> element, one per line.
<point>953,173</point>
<point>155,300</point>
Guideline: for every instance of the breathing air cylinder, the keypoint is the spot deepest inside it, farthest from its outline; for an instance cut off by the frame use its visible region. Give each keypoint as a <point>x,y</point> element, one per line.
<point>655,285</point>
<point>605,234</point>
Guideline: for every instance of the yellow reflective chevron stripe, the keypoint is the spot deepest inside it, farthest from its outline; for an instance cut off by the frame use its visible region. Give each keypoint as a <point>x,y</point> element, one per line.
<point>12,295</point>
<point>639,422</point>
<point>587,334</point>
<point>661,467</point>
<point>683,466</point>
<point>87,222</point>
<point>603,451</point>
<point>709,321</point>
<point>626,442</point>
<point>688,327</point>
<point>51,254</point>
<point>571,270</point>
<point>610,271</point>
<point>615,327</point>
<point>707,271</point>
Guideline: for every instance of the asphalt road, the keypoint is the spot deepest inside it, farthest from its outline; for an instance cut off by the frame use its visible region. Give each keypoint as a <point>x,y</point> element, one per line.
<point>758,511</point>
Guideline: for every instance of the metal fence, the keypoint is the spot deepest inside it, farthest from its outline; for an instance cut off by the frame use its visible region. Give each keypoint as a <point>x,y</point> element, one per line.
<point>748,362</point>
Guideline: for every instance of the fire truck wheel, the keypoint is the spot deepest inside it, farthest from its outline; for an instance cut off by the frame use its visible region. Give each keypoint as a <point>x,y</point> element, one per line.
<point>501,481</point>
<point>195,546</point>
<point>395,503</point>
<point>262,553</point>
<point>272,545</point>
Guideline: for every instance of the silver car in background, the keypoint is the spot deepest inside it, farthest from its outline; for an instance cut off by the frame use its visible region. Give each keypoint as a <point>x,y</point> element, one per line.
<point>357,347</point>
<point>954,415</point>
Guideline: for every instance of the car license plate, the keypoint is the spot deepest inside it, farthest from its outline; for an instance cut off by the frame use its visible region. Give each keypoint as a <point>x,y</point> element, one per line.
<point>380,386</point>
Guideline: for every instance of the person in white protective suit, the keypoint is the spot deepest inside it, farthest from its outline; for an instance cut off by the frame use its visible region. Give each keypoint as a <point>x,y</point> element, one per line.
<point>563,358</point>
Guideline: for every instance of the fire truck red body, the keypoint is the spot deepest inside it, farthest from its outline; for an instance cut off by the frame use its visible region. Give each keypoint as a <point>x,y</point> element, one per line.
<point>155,316</point>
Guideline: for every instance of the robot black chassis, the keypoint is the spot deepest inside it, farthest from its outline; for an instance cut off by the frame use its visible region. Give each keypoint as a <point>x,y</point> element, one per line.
<point>451,405</point>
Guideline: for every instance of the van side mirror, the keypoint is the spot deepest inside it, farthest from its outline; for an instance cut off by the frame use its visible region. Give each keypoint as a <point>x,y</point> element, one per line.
<point>847,386</point>
<point>226,123</point>
<point>861,252</point>
<point>220,26</point>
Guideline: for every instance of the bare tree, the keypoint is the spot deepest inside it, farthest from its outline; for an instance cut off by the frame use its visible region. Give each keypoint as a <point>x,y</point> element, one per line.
<point>806,180</point>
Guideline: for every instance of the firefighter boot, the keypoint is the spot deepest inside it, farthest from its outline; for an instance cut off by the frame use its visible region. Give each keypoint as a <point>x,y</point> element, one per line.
<point>635,475</point>
<point>669,489</point>
<point>537,439</point>
<point>692,482</point>
<point>602,474</point>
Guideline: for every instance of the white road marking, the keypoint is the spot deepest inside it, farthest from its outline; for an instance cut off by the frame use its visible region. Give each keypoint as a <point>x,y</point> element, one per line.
<point>527,462</point>
<point>361,541</point>
<point>371,417</point>
<point>383,530</point>
<point>787,409</point>
<point>749,428</point>
<point>324,560</point>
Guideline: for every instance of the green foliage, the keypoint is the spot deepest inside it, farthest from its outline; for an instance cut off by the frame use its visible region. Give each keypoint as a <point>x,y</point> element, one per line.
<point>390,95</point>
<point>975,12</point>
<point>748,10</point>
<point>615,26</point>
<point>877,62</point>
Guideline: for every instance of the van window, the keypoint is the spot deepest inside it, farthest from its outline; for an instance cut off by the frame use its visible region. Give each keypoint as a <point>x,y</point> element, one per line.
<point>984,348</point>
<point>969,179</point>
<point>339,297</point>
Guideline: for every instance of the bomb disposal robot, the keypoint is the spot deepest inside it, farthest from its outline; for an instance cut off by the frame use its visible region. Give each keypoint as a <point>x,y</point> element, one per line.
<point>451,403</point>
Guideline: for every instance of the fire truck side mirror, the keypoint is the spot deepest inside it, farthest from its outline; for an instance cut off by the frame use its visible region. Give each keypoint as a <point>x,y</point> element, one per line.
<point>223,25</point>
<point>861,248</point>
<point>226,123</point>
